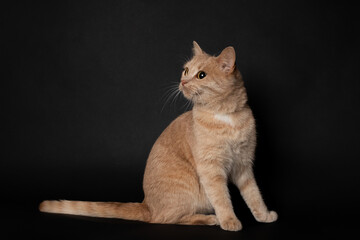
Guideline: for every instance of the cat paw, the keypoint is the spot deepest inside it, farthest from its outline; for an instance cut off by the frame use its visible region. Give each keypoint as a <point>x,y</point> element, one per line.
<point>212,220</point>
<point>269,217</point>
<point>231,224</point>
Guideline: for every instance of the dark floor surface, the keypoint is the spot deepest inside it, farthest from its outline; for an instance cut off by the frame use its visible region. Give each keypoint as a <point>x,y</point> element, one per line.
<point>19,220</point>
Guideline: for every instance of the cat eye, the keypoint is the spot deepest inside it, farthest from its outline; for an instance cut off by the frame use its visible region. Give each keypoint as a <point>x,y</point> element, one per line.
<point>201,75</point>
<point>186,71</point>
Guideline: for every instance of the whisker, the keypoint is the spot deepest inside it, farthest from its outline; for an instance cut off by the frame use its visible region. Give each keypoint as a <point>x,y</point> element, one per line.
<point>170,94</point>
<point>189,106</point>
<point>176,97</point>
<point>170,88</point>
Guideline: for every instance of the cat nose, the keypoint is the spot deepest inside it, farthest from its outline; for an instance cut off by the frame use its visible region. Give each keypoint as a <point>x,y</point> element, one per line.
<point>183,82</point>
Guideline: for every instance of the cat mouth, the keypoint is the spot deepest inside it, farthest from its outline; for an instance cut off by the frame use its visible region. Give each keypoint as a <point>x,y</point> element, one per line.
<point>191,94</point>
<point>185,91</point>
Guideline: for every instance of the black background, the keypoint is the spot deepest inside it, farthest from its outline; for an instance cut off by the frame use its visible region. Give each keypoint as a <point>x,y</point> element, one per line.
<point>84,98</point>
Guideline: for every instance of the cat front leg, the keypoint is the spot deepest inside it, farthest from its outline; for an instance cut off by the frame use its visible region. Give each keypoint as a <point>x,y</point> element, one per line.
<point>249,190</point>
<point>214,180</point>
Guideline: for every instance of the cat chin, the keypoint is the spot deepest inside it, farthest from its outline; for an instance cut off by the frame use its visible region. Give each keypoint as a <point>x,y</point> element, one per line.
<point>186,94</point>
<point>188,97</point>
<point>193,97</point>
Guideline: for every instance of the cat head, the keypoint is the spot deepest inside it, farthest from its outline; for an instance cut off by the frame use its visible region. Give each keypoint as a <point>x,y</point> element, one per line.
<point>207,79</point>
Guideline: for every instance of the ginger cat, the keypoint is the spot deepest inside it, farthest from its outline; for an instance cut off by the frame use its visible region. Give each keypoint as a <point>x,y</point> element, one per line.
<point>186,175</point>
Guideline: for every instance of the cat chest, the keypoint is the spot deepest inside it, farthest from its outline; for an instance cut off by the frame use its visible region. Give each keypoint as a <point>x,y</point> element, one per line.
<point>223,128</point>
<point>225,119</point>
<point>226,141</point>
<point>225,134</point>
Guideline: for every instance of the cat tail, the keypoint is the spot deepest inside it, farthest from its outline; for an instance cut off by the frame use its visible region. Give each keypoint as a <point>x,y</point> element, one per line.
<point>128,211</point>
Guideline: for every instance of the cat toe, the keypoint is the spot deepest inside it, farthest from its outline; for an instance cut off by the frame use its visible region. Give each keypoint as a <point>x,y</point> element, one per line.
<point>270,217</point>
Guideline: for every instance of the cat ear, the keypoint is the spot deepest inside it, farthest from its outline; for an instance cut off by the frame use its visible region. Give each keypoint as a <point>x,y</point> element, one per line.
<point>226,60</point>
<point>196,49</point>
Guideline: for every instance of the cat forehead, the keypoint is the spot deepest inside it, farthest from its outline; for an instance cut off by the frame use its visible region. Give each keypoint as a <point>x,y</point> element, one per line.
<point>198,62</point>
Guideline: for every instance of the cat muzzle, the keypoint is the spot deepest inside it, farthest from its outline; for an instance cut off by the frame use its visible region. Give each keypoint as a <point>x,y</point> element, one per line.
<point>183,82</point>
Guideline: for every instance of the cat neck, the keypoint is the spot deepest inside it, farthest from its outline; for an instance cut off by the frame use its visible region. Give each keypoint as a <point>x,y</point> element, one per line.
<point>233,101</point>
